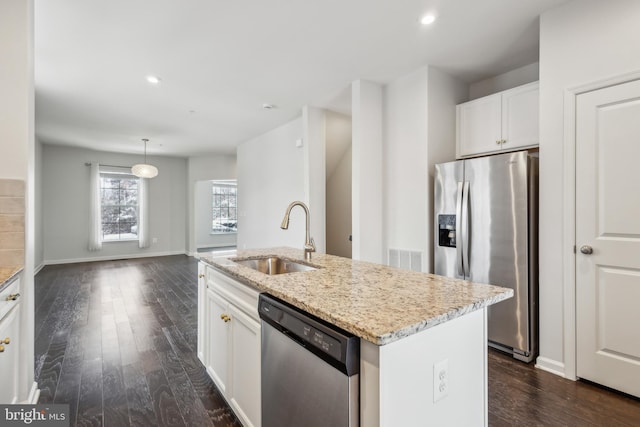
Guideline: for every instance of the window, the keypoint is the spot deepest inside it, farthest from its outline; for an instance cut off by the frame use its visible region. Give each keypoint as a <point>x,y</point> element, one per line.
<point>119,204</point>
<point>224,207</point>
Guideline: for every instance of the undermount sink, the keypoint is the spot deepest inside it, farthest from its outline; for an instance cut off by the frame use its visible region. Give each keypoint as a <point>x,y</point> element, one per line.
<point>274,265</point>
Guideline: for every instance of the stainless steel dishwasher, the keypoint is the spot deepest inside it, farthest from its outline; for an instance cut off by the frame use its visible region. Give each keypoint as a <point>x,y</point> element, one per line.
<point>310,369</point>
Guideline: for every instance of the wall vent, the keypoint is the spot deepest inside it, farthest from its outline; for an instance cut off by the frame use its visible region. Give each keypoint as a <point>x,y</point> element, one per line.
<point>406,260</point>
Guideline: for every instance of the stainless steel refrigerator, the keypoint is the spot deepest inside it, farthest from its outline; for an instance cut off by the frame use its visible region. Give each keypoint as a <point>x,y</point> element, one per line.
<point>486,232</point>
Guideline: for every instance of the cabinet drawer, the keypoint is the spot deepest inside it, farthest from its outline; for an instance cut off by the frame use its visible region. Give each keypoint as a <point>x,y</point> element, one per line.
<point>243,296</point>
<point>9,297</point>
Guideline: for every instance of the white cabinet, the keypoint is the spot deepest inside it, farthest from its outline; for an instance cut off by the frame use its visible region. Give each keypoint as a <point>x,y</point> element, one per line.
<point>231,343</point>
<point>218,350</point>
<point>245,368</point>
<point>9,345</point>
<point>202,294</point>
<point>502,122</point>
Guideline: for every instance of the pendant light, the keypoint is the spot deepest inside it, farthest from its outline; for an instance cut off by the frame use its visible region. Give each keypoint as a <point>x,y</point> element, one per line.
<point>144,170</point>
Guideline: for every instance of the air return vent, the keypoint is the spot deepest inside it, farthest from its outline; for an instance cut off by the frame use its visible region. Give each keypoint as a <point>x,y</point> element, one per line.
<point>407,260</point>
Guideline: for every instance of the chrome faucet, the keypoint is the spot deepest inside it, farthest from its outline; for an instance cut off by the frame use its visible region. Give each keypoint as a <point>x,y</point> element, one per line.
<point>309,244</point>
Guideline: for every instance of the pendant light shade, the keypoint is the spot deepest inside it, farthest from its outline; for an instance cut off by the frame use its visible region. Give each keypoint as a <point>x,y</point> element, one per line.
<point>144,170</point>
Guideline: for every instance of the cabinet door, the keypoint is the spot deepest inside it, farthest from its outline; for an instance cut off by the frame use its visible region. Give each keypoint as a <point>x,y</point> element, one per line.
<point>202,325</point>
<point>217,354</point>
<point>478,126</point>
<point>245,369</point>
<point>520,126</point>
<point>10,329</point>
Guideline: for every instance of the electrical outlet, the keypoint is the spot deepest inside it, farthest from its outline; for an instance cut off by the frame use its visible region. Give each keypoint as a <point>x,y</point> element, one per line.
<point>440,380</point>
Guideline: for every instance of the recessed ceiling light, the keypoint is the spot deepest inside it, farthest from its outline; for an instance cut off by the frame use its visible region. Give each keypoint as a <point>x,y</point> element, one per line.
<point>428,19</point>
<point>268,106</point>
<point>154,80</point>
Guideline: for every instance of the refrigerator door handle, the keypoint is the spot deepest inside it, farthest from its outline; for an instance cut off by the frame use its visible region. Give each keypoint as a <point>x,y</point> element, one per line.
<point>465,230</point>
<point>459,230</point>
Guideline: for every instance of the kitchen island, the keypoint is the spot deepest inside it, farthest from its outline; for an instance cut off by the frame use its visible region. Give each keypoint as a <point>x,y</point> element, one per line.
<point>411,325</point>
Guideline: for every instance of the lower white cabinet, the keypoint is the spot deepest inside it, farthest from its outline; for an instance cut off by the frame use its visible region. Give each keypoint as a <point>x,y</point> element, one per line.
<point>202,294</point>
<point>231,342</point>
<point>219,348</point>
<point>9,355</point>
<point>245,366</point>
<point>10,342</point>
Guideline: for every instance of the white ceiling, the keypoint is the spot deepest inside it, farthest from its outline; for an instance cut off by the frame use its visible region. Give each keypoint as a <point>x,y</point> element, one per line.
<point>220,60</point>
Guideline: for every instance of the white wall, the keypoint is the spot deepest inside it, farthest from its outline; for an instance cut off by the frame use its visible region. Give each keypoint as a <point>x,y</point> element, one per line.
<point>203,217</point>
<point>519,76</point>
<point>270,176</point>
<point>66,205</point>
<point>581,42</point>
<point>445,92</point>
<point>38,256</point>
<point>204,168</point>
<point>17,153</point>
<point>406,165</point>
<point>338,184</point>
<point>315,173</point>
<point>16,85</point>
<point>419,133</point>
<point>367,191</point>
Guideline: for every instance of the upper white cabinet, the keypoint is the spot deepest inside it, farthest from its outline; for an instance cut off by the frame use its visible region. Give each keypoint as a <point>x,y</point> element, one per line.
<point>505,121</point>
<point>230,341</point>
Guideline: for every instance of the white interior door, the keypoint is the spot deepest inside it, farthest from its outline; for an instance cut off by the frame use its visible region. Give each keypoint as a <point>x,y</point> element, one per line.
<point>608,224</point>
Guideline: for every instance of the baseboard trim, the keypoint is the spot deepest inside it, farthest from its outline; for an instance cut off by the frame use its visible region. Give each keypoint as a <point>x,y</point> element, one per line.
<point>38,268</point>
<point>112,257</point>
<point>550,365</point>
<point>34,395</point>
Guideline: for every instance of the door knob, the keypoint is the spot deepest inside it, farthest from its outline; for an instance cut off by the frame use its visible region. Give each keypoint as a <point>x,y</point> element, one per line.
<point>586,249</point>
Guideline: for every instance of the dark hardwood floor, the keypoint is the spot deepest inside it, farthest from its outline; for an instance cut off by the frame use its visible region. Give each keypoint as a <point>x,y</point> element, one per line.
<point>116,340</point>
<point>521,395</point>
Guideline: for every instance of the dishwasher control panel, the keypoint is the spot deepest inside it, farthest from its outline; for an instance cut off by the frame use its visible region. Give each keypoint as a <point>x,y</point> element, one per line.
<point>322,341</point>
<point>336,346</point>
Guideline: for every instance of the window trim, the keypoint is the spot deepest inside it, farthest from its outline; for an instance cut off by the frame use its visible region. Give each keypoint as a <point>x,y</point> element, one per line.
<point>228,183</point>
<point>120,175</point>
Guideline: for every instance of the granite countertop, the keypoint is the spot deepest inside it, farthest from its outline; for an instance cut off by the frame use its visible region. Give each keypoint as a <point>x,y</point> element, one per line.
<point>378,303</point>
<point>7,274</point>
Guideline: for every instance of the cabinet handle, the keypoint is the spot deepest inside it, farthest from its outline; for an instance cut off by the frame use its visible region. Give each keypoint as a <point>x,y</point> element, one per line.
<point>498,141</point>
<point>504,141</point>
<point>13,297</point>
<point>225,317</point>
<point>200,276</point>
<point>7,340</point>
<point>1,349</point>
